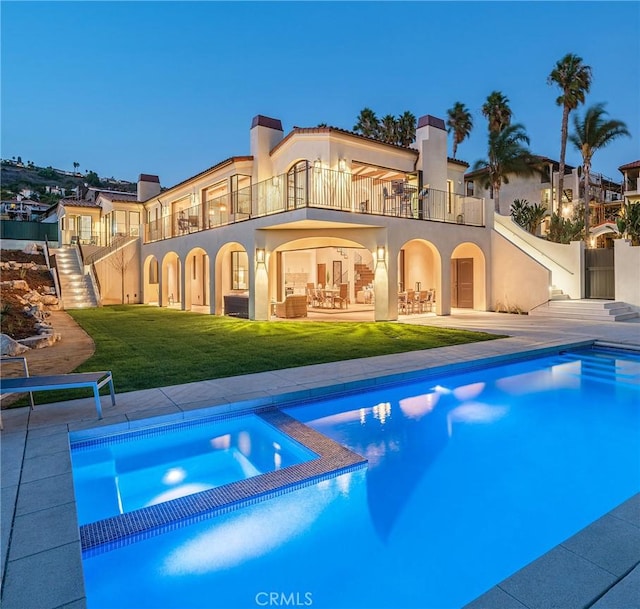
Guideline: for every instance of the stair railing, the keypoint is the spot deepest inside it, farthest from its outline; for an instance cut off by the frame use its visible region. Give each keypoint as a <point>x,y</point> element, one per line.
<point>51,265</point>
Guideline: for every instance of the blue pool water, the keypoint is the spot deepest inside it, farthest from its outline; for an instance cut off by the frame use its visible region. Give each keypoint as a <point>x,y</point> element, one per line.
<point>129,471</point>
<point>470,477</point>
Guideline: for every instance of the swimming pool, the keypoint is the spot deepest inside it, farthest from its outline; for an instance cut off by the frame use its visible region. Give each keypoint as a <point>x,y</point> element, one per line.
<point>470,477</point>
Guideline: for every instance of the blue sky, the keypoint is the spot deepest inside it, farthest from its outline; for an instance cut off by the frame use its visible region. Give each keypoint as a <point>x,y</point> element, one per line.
<point>170,88</point>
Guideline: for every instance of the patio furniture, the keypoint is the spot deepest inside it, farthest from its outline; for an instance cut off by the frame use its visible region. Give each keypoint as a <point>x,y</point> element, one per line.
<point>342,297</point>
<point>236,305</point>
<point>93,380</point>
<point>294,305</point>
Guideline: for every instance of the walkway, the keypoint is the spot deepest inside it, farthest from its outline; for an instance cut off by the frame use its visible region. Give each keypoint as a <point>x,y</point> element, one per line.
<point>40,549</point>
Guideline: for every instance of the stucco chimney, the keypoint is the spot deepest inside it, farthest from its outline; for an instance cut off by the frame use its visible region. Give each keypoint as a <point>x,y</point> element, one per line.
<point>148,186</point>
<point>265,134</point>
<point>431,142</point>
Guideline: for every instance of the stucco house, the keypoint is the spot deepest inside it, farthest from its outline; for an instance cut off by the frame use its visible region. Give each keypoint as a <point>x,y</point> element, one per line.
<point>320,207</point>
<point>373,225</point>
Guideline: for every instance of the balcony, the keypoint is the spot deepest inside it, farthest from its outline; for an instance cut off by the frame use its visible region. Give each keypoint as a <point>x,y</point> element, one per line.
<point>321,189</point>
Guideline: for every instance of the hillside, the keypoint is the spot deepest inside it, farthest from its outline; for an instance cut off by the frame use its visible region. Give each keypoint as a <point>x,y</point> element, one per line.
<point>16,177</point>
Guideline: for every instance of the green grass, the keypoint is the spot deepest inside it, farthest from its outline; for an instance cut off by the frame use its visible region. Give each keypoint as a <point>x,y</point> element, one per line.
<point>149,347</point>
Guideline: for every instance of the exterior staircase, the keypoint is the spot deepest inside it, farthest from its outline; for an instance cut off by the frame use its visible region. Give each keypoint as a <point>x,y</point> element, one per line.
<point>589,310</point>
<point>76,288</point>
<point>558,294</point>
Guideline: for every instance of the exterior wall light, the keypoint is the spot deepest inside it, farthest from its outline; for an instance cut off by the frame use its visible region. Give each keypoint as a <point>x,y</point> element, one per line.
<point>380,254</point>
<point>260,255</point>
<point>342,164</point>
<point>317,165</point>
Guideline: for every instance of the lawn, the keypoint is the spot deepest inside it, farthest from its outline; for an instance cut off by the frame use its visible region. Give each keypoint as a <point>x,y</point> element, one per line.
<point>148,347</point>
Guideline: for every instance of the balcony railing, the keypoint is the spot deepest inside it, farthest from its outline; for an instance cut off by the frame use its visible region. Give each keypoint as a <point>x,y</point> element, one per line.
<point>321,189</point>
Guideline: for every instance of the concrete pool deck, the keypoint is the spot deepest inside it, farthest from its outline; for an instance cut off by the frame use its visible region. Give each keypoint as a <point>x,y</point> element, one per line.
<point>40,542</point>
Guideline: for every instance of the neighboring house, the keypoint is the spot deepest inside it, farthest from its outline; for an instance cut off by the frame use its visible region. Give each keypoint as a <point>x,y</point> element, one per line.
<point>541,187</point>
<point>22,209</point>
<point>631,181</point>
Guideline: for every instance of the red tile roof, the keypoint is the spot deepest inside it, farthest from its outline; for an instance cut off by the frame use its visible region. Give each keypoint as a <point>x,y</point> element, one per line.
<point>632,165</point>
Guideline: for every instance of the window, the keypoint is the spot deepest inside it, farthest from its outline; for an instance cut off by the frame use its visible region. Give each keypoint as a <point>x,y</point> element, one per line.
<point>119,222</point>
<point>134,223</point>
<point>470,188</point>
<point>239,270</point>
<point>153,271</point>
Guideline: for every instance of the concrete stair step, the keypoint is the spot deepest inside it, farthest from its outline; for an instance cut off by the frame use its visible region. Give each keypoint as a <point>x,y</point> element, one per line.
<point>593,310</point>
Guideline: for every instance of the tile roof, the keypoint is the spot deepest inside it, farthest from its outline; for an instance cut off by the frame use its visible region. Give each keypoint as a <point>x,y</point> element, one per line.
<point>116,196</point>
<point>78,203</point>
<point>632,165</point>
<point>457,161</point>
<point>297,130</point>
<point>229,161</point>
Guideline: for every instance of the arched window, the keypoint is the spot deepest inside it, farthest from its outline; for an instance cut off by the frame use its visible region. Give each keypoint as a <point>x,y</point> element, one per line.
<point>298,185</point>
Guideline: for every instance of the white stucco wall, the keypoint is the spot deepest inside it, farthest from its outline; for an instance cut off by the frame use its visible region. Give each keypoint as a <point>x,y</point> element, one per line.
<point>517,280</point>
<point>109,275</point>
<point>627,273</point>
<point>563,260</point>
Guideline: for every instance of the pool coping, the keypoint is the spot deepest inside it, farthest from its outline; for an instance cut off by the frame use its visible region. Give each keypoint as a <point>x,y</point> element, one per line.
<point>44,447</point>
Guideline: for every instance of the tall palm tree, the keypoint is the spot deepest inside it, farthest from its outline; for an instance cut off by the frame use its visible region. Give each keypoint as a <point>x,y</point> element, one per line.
<point>590,134</point>
<point>388,129</point>
<point>367,123</point>
<point>497,111</point>
<point>460,123</point>
<point>406,128</point>
<point>507,154</point>
<point>75,166</point>
<point>574,80</point>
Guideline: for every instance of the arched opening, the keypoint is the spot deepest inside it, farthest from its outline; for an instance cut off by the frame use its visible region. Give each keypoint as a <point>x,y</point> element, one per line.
<point>333,273</point>
<point>468,278</point>
<point>231,275</point>
<point>171,295</point>
<point>197,280</point>
<point>419,277</point>
<point>151,281</point>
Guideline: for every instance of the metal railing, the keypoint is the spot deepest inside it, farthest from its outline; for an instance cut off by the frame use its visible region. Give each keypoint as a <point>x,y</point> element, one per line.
<point>321,189</point>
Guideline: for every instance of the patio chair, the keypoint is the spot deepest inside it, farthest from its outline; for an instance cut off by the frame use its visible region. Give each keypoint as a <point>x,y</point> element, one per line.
<point>294,305</point>
<point>342,299</point>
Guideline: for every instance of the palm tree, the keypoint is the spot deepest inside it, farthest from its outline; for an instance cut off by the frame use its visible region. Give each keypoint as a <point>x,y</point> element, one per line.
<point>497,112</point>
<point>388,129</point>
<point>507,154</point>
<point>460,123</point>
<point>367,123</point>
<point>574,79</point>
<point>406,128</point>
<point>591,133</point>
<point>75,166</point>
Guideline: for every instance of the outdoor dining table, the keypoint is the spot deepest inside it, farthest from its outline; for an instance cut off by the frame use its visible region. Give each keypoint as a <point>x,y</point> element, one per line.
<point>330,294</point>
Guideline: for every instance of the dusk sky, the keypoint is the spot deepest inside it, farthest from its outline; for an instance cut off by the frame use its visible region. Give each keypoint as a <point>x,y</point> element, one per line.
<point>170,88</point>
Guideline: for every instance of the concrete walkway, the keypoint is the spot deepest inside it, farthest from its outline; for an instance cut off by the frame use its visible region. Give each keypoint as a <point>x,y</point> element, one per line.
<point>40,545</point>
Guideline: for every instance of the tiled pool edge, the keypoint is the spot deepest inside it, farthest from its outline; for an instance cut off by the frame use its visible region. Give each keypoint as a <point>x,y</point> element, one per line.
<point>334,460</point>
